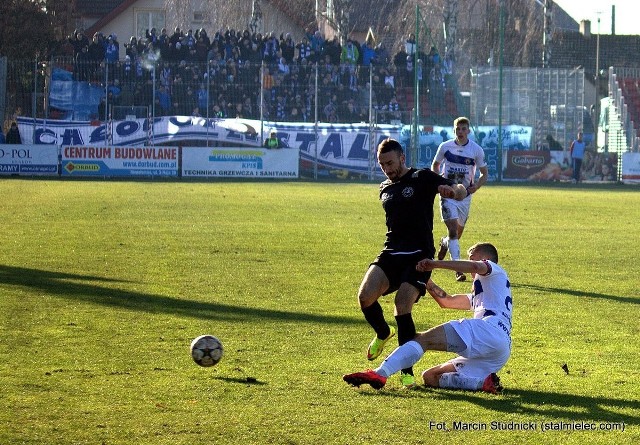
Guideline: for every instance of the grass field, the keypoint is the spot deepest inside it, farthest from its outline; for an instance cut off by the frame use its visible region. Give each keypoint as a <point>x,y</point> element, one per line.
<point>104,284</point>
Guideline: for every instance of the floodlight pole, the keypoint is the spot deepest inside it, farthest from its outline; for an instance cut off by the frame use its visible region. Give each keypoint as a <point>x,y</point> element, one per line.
<point>597,80</point>
<point>262,102</point>
<point>208,79</point>
<point>315,123</point>
<point>598,51</point>
<point>34,105</point>
<point>106,90</point>
<point>372,126</point>
<point>500,66</point>
<point>153,105</point>
<point>416,101</point>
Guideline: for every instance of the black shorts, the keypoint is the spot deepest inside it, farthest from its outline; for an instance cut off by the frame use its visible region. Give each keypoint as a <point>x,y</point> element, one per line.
<point>401,268</point>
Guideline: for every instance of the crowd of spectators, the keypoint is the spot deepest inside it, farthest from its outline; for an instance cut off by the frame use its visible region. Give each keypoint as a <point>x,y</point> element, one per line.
<point>239,73</point>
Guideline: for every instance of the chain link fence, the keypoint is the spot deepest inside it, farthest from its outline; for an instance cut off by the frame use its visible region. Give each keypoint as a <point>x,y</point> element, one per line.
<point>553,102</point>
<point>550,100</point>
<point>64,89</point>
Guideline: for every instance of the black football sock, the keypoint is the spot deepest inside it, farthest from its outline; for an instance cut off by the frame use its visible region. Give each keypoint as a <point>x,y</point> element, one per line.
<point>406,333</point>
<point>374,315</point>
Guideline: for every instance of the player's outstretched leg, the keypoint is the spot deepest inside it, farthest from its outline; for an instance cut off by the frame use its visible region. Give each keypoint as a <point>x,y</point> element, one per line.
<point>406,333</point>
<point>368,377</point>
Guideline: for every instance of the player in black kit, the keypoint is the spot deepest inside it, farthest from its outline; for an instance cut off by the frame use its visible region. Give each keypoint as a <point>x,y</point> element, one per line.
<point>407,197</point>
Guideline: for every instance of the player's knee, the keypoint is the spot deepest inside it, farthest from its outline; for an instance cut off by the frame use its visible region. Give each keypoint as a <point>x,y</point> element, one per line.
<point>366,299</point>
<point>404,303</point>
<point>430,378</point>
<point>364,302</point>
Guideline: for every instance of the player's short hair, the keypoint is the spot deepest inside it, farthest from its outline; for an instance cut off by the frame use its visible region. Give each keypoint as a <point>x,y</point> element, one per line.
<point>487,249</point>
<point>462,120</point>
<point>390,145</point>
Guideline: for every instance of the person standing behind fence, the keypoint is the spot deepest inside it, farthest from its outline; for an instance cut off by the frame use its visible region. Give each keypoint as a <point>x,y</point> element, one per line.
<point>272,141</point>
<point>13,135</point>
<point>112,49</point>
<point>576,150</point>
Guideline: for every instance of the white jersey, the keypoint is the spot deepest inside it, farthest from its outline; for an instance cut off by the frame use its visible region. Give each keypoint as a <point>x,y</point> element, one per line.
<point>459,162</point>
<point>491,297</point>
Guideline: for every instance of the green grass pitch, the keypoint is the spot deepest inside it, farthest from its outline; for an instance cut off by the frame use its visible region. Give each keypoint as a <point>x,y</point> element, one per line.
<point>104,284</point>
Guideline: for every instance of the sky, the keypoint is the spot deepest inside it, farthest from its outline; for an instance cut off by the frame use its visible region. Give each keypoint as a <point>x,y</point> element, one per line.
<point>627,13</point>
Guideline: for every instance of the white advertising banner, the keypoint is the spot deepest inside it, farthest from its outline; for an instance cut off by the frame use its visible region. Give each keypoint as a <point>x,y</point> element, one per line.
<point>240,162</point>
<point>332,146</point>
<point>119,161</point>
<point>28,160</point>
<point>631,168</point>
<point>138,132</point>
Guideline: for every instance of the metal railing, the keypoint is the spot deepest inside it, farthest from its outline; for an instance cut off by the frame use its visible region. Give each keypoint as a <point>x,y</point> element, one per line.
<point>63,89</point>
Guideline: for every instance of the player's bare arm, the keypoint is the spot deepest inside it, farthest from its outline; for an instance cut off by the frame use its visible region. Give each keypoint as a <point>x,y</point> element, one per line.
<point>444,300</point>
<point>435,167</point>
<point>467,266</point>
<point>482,179</point>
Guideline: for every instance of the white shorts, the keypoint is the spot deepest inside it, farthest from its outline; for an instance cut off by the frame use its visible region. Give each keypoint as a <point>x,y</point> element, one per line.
<point>488,348</point>
<point>452,209</point>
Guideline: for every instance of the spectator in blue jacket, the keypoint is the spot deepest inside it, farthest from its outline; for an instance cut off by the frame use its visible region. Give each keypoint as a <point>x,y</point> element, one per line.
<point>368,52</point>
<point>112,50</point>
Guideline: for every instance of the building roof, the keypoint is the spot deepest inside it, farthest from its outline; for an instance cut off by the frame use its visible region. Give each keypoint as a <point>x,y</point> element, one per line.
<point>98,8</point>
<point>109,10</point>
<point>301,12</point>
<point>574,49</point>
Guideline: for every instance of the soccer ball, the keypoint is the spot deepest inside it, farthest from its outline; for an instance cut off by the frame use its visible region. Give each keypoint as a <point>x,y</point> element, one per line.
<point>206,350</point>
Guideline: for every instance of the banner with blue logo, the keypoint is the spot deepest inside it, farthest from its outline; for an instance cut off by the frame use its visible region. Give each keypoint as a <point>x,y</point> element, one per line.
<point>239,162</point>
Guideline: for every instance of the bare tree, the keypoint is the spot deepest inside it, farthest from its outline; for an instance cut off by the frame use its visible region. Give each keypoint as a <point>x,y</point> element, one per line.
<point>468,32</point>
<point>26,30</point>
<point>62,14</point>
<point>256,16</point>
<point>450,18</point>
<point>179,12</point>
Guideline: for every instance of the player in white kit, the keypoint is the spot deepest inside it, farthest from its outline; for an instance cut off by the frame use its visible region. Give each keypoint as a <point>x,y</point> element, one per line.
<point>458,159</point>
<point>483,342</point>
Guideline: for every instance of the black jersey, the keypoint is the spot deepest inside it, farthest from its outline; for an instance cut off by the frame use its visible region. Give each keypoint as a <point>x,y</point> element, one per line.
<point>408,205</point>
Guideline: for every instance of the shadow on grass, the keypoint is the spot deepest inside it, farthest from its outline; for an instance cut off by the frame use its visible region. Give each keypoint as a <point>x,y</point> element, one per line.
<point>245,380</point>
<point>577,293</point>
<point>77,287</point>
<point>554,406</point>
<point>548,405</point>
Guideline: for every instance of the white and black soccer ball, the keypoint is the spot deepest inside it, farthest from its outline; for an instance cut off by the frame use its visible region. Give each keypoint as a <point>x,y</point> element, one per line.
<point>206,350</point>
